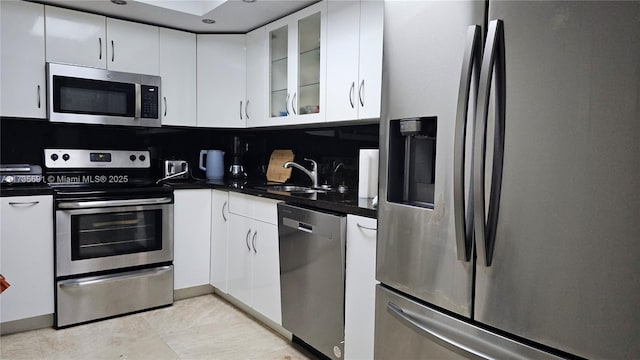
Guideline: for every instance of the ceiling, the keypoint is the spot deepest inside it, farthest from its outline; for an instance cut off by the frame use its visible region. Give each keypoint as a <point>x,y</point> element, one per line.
<point>231,16</point>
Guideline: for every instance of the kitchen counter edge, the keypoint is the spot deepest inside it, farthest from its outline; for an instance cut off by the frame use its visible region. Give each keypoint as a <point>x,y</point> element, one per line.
<point>367,210</point>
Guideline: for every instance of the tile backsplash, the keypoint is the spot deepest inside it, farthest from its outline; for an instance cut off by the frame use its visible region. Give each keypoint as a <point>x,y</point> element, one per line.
<point>22,141</point>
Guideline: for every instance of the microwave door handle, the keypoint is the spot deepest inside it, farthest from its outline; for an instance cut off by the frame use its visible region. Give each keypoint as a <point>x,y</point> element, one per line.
<point>485,232</point>
<point>468,78</point>
<point>138,109</point>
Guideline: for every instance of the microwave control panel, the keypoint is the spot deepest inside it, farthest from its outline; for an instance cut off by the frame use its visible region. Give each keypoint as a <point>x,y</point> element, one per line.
<point>150,96</point>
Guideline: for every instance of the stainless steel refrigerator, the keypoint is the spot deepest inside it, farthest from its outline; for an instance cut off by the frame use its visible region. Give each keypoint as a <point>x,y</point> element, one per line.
<point>509,205</point>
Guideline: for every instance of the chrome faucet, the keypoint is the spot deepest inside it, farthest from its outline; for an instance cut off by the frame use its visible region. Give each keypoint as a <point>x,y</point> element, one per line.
<point>313,174</point>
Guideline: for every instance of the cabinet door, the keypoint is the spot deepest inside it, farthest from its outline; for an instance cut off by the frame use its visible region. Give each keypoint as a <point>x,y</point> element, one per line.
<point>221,80</point>
<point>255,106</point>
<point>192,237</point>
<point>178,72</point>
<point>266,271</point>
<point>360,286</point>
<point>370,74</point>
<point>22,73</point>
<point>343,38</point>
<point>75,37</point>
<point>278,71</point>
<point>132,47</point>
<point>240,258</point>
<point>219,236</point>
<point>26,260</point>
<point>308,99</point>
<point>297,67</point>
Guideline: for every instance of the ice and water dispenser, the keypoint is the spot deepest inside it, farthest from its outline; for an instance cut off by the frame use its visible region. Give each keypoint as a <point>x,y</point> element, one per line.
<point>412,161</point>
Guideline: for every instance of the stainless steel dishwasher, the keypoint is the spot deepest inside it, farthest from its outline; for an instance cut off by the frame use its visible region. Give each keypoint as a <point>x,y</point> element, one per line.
<point>312,266</point>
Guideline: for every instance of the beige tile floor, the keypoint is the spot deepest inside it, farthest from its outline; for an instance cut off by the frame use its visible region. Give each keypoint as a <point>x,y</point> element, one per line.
<point>204,327</point>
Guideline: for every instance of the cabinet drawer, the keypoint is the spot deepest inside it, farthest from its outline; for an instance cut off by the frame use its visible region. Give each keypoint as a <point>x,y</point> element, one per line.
<point>254,207</point>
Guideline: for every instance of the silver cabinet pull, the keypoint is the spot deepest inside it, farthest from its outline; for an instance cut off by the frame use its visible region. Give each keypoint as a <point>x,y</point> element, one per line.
<point>113,51</point>
<point>286,104</point>
<point>99,48</point>
<point>240,109</point>
<point>293,106</point>
<point>253,241</point>
<point>165,105</point>
<point>223,206</point>
<point>246,239</point>
<point>366,227</point>
<point>24,204</point>
<point>38,96</point>
<point>485,233</point>
<point>246,109</point>
<point>470,72</point>
<point>361,93</point>
<point>351,91</point>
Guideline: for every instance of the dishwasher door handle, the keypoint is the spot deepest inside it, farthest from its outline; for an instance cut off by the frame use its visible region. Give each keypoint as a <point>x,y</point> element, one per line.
<point>305,227</point>
<point>298,225</point>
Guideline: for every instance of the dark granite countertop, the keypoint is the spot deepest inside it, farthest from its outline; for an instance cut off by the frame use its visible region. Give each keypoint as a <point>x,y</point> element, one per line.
<point>347,202</point>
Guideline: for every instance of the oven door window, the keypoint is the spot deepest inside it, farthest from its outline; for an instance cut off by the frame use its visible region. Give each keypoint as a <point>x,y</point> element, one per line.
<point>96,97</point>
<point>117,233</point>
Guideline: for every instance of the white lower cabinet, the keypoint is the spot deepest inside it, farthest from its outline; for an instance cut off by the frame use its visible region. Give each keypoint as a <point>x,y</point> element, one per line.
<point>26,257</point>
<point>360,283</point>
<point>253,261</point>
<point>219,239</point>
<point>191,237</point>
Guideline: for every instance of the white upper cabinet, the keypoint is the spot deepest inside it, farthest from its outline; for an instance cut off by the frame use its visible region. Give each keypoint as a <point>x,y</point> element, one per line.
<point>75,37</point>
<point>132,47</point>
<point>343,51</point>
<point>255,107</point>
<point>22,73</point>
<point>178,72</point>
<point>79,38</point>
<point>370,71</point>
<point>221,81</point>
<point>354,59</point>
<point>297,66</point>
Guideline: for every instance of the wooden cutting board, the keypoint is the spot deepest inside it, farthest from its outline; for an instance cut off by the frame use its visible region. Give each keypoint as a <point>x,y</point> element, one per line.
<point>275,171</point>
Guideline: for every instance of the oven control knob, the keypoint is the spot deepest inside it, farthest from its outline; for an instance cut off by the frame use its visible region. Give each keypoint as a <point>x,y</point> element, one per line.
<point>65,157</point>
<point>142,157</point>
<point>54,157</point>
<point>132,158</point>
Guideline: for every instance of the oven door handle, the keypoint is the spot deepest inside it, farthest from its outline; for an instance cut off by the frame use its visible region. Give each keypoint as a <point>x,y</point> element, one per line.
<point>122,276</point>
<point>110,203</point>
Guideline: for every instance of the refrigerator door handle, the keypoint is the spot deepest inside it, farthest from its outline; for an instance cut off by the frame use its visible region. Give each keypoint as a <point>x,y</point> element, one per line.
<point>449,335</point>
<point>470,71</point>
<point>493,61</point>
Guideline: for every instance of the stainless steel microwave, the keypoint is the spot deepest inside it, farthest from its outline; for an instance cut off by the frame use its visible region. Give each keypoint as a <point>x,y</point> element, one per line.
<point>77,94</point>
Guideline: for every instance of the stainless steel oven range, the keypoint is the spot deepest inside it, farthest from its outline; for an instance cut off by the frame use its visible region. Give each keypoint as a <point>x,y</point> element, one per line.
<point>113,234</point>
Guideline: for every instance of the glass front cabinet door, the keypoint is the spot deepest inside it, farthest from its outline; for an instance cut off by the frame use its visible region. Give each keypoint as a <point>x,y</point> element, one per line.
<point>297,63</point>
